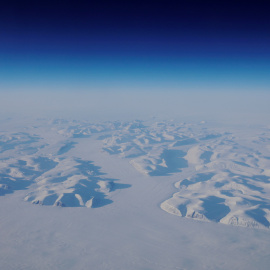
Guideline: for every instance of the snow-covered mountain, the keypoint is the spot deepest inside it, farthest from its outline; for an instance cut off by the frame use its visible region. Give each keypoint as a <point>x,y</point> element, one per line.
<point>220,176</point>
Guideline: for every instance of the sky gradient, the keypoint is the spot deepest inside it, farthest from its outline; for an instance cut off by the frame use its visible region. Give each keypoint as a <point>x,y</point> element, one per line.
<point>142,46</point>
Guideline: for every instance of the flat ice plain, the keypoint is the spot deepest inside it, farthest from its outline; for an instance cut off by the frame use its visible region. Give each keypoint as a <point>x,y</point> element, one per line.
<point>134,195</point>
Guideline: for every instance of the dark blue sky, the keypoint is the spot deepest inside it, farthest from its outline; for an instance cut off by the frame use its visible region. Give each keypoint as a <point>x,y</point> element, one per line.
<point>128,44</point>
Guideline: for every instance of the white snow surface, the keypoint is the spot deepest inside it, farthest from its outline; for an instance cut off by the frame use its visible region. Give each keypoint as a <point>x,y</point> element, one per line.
<point>134,195</point>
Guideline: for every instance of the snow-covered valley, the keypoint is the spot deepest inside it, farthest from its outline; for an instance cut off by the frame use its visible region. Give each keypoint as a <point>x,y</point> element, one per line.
<point>134,195</point>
